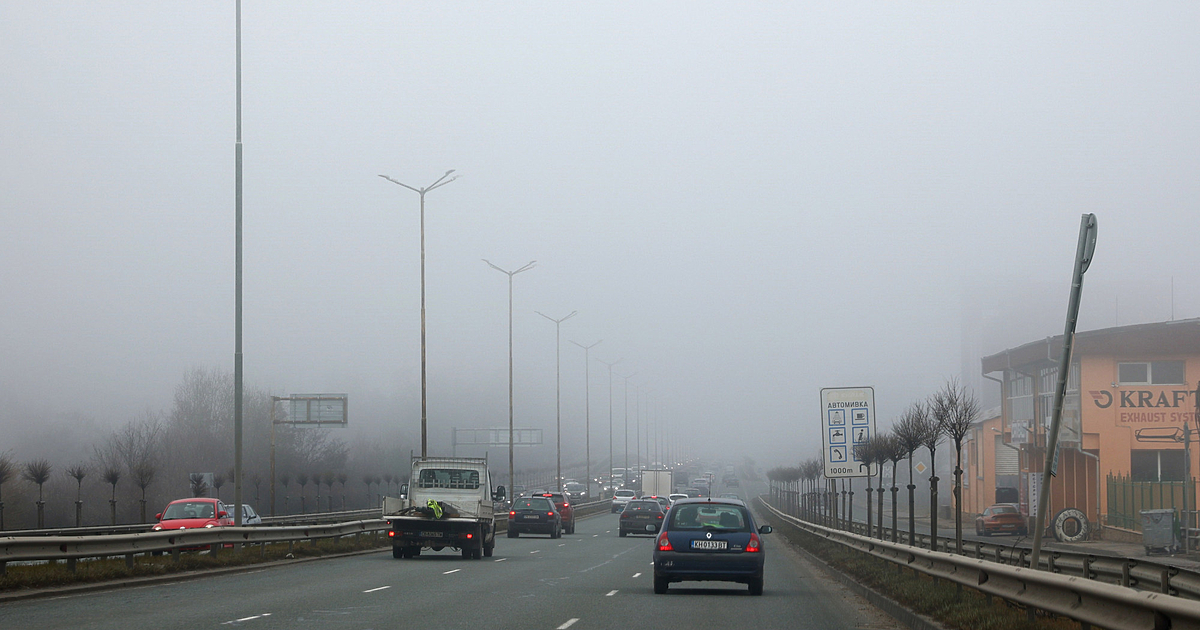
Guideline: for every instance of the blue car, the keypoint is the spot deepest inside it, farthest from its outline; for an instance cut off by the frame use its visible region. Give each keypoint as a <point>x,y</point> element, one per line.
<point>709,539</point>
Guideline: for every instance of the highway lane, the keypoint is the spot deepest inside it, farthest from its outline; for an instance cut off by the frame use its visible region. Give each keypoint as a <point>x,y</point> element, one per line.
<point>592,579</point>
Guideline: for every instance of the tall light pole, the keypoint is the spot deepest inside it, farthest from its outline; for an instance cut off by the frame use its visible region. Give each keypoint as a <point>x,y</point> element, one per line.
<point>610,419</point>
<point>558,390</point>
<point>625,391</point>
<point>441,181</point>
<point>510,274</point>
<point>237,342</point>
<point>587,411</point>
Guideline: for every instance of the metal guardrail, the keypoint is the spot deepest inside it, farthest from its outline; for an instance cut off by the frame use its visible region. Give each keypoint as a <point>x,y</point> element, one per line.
<point>108,530</point>
<point>1083,600</point>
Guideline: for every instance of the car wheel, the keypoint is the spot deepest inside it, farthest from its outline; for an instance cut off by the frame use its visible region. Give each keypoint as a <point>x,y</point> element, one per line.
<point>621,532</point>
<point>756,585</point>
<point>571,530</point>
<point>512,533</point>
<point>660,585</point>
<point>978,530</point>
<point>397,552</point>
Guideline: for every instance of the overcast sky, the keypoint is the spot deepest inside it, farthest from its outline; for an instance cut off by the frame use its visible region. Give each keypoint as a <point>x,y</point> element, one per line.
<point>746,203</point>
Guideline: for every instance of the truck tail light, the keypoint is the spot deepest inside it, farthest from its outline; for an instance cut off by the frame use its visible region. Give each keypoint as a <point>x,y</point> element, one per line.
<point>391,533</point>
<point>469,536</point>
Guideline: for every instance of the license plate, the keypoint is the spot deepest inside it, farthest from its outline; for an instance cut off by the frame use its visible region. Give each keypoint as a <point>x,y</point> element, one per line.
<point>642,517</point>
<point>531,517</point>
<point>1008,526</point>
<point>709,544</point>
<point>430,534</point>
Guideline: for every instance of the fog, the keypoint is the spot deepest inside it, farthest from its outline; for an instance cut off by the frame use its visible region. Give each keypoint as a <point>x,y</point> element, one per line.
<point>745,203</point>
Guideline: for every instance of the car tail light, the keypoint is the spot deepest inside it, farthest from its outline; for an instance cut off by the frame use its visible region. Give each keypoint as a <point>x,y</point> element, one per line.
<point>753,545</point>
<point>664,543</point>
<point>566,505</point>
<point>660,517</point>
<point>512,513</point>
<point>549,513</point>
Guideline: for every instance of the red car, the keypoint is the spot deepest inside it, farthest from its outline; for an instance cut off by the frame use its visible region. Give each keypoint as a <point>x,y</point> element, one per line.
<point>1002,518</point>
<point>194,514</point>
<point>564,509</point>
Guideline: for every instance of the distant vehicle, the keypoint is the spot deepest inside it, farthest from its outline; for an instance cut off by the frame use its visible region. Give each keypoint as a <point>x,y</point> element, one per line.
<point>563,505</point>
<point>249,516</point>
<point>640,517</point>
<point>656,482</point>
<point>695,493</point>
<point>677,496</point>
<point>576,492</point>
<point>450,504</point>
<point>534,515</point>
<point>662,501</point>
<point>1001,518</point>
<point>621,498</point>
<point>194,514</point>
<point>732,482</point>
<point>709,539</point>
<point>518,491</point>
<point>730,495</point>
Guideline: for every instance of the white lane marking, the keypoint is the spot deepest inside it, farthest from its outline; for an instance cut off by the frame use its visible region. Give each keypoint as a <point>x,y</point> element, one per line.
<point>638,574</point>
<point>451,571</point>
<point>608,561</point>
<point>597,535</point>
<point>562,544</point>
<point>225,623</point>
<point>379,588</point>
<point>535,551</point>
<point>570,622</point>
<point>502,559</point>
<point>610,593</point>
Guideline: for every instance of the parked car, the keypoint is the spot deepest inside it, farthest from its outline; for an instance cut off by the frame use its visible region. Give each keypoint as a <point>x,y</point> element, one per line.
<point>621,498</point>
<point>194,514</point>
<point>641,517</point>
<point>710,539</point>
<point>1001,518</point>
<point>249,516</point>
<point>534,515</point>
<point>563,505</point>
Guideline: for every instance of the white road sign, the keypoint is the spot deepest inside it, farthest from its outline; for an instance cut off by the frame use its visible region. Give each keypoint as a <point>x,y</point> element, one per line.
<point>847,420</point>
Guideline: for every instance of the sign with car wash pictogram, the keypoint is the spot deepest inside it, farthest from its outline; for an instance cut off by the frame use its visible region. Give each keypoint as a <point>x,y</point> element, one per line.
<point>847,421</point>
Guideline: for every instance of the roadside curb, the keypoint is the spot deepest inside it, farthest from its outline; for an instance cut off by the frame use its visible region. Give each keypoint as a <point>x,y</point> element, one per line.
<point>913,620</point>
<point>77,589</point>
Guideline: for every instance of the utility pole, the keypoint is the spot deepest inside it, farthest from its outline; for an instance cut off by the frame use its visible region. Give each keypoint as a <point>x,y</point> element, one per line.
<point>587,411</point>
<point>558,390</point>
<point>625,391</point>
<point>441,181</point>
<point>610,420</point>
<point>529,265</point>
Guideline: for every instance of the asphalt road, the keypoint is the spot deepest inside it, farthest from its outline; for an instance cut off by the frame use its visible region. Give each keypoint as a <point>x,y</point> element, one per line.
<point>592,579</point>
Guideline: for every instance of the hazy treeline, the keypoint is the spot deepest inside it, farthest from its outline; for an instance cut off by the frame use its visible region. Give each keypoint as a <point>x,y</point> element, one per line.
<point>151,456</point>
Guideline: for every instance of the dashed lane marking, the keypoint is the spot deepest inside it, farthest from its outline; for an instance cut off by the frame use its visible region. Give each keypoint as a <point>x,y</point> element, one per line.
<point>251,618</point>
<point>451,571</point>
<point>378,588</point>
<point>570,622</point>
<point>562,544</point>
<point>638,574</point>
<point>610,593</point>
<point>535,551</point>
<point>502,559</point>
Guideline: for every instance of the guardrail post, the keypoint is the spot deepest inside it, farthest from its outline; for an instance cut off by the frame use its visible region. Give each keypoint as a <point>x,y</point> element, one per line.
<point>214,549</point>
<point>1050,558</point>
<point>71,564</point>
<point>2,565</point>
<point>1164,582</point>
<point>1125,569</point>
<point>175,554</point>
<point>1087,567</point>
<point>128,561</point>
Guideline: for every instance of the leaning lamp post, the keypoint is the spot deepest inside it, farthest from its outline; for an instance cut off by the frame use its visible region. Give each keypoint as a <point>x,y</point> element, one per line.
<point>441,181</point>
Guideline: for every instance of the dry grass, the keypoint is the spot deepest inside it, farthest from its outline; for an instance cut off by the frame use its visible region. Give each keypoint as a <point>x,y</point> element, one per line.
<point>941,600</point>
<point>91,571</point>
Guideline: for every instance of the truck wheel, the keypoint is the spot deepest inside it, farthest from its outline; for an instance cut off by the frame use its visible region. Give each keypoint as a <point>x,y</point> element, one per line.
<point>476,553</point>
<point>414,552</point>
<point>466,554</point>
<point>489,549</point>
<point>397,552</point>
<point>512,533</point>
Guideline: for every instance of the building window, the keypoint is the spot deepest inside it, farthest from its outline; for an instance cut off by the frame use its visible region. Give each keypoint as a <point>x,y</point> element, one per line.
<point>1150,373</point>
<point>1156,465</point>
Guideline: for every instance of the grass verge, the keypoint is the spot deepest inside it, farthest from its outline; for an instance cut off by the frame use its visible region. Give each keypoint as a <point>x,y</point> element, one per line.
<point>943,601</point>
<point>103,570</point>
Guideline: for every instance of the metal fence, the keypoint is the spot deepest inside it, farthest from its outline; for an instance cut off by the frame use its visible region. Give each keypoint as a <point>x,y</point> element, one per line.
<point>1127,498</point>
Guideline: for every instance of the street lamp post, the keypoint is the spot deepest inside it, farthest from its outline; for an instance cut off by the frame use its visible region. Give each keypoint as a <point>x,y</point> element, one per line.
<point>558,390</point>
<point>625,391</point>
<point>237,350</point>
<point>587,412</point>
<point>441,181</point>
<point>510,274</point>
<point>610,419</point>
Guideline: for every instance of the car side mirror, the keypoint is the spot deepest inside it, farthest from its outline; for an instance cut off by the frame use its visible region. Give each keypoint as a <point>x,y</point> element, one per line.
<point>222,514</point>
<point>499,494</point>
<point>158,517</point>
<point>765,529</point>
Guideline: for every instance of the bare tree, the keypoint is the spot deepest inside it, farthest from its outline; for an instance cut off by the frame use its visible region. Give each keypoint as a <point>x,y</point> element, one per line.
<point>302,479</point>
<point>910,430</point>
<point>896,454</point>
<point>256,481</point>
<point>865,453</point>
<point>143,475</point>
<point>218,481</point>
<point>78,472</point>
<point>956,411</point>
<point>38,471</point>
<point>327,478</point>
<point>387,479</point>
<point>7,470</point>
<point>932,435</point>
<point>111,475</point>
<point>285,480</point>
<point>342,480</point>
<point>316,479</point>
<point>367,481</point>
<point>378,480</point>
<point>199,485</point>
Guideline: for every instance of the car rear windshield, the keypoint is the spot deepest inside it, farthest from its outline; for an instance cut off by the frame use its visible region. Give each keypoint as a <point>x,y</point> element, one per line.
<point>1004,509</point>
<point>453,478</point>
<point>625,493</point>
<point>643,506</point>
<point>190,509</point>
<point>702,516</point>
<point>532,504</point>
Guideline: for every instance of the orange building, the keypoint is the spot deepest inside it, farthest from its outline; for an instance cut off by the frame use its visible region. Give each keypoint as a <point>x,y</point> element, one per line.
<point>1127,404</point>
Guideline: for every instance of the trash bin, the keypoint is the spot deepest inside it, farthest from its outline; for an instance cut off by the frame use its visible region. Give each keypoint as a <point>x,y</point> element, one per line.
<point>1159,531</point>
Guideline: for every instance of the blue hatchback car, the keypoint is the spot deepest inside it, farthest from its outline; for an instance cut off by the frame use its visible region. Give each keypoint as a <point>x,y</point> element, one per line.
<point>709,539</point>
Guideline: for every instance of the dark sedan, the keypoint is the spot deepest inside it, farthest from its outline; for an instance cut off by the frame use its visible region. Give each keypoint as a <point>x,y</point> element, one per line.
<point>709,539</point>
<point>534,515</point>
<point>644,516</point>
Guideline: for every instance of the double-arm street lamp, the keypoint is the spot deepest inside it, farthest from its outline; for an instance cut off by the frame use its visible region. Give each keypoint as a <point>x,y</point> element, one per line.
<point>510,274</point>
<point>625,390</point>
<point>558,389</point>
<point>587,411</point>
<point>441,181</point>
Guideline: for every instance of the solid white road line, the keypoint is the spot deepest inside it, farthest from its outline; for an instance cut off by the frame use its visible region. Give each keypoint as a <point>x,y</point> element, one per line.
<point>637,574</point>
<point>570,622</point>
<point>379,588</point>
<point>451,571</point>
<point>610,593</point>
